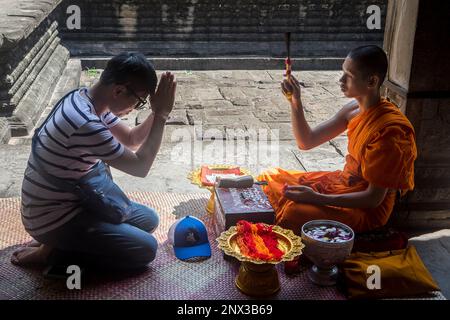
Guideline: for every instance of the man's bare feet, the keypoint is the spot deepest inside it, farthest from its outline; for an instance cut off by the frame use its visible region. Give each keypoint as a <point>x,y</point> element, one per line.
<point>33,243</point>
<point>31,256</point>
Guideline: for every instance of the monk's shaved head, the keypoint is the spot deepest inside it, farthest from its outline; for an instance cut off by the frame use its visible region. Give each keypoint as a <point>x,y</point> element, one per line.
<point>370,60</point>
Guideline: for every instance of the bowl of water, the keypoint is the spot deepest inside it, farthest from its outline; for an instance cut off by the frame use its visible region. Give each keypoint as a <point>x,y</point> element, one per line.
<point>327,243</point>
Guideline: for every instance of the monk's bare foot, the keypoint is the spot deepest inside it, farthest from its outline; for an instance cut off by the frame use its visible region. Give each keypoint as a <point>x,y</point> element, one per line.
<point>31,256</point>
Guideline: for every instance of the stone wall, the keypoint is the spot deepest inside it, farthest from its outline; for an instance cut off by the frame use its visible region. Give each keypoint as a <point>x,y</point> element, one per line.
<point>31,62</point>
<point>216,28</point>
<point>416,40</point>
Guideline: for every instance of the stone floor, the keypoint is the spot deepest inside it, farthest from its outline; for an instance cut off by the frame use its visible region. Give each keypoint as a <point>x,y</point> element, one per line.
<point>233,117</point>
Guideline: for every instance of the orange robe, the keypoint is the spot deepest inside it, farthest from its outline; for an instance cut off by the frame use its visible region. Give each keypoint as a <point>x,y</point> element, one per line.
<point>381,151</point>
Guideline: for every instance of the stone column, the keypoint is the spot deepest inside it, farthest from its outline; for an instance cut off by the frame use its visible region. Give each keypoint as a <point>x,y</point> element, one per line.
<point>416,39</point>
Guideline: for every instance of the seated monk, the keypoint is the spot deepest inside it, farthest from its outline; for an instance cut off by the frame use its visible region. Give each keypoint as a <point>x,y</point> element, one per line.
<point>380,159</point>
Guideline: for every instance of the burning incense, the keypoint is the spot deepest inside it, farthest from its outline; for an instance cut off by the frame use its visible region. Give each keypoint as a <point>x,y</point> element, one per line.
<point>287,61</point>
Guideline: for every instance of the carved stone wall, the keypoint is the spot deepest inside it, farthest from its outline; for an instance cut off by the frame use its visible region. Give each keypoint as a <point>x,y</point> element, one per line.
<point>31,62</point>
<point>321,28</point>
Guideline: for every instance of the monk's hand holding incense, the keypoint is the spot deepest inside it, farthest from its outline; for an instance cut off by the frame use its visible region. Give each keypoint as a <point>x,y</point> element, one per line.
<point>291,87</point>
<point>163,100</point>
<point>301,194</point>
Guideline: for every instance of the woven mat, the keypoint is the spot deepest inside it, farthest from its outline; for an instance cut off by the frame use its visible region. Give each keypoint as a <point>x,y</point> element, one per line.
<point>165,278</point>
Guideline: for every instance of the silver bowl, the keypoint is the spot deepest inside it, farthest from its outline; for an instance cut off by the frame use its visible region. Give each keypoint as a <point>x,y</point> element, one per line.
<point>325,255</point>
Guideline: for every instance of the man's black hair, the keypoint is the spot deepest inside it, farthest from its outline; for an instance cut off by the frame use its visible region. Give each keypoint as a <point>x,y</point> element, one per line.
<point>371,60</point>
<point>132,69</point>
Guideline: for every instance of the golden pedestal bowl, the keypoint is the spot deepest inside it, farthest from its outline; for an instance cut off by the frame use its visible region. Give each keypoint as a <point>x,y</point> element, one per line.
<point>258,277</point>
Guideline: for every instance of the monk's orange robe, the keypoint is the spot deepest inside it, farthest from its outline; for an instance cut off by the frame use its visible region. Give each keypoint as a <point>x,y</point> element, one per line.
<point>381,151</point>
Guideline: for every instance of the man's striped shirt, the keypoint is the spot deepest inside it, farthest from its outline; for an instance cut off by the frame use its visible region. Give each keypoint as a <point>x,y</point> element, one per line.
<point>70,143</point>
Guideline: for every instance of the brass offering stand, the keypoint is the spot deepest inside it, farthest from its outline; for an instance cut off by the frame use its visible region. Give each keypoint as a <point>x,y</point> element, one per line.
<point>257,277</point>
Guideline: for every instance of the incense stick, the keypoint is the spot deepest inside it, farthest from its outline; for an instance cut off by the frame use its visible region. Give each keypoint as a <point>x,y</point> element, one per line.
<point>287,61</point>
<point>287,39</point>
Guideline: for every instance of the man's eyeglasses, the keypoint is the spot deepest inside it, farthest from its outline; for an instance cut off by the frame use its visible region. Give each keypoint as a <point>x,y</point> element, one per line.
<point>141,102</point>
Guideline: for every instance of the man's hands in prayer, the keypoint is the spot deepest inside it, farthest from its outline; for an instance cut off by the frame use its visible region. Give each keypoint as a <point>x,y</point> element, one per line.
<point>291,87</point>
<point>163,99</point>
<point>301,194</point>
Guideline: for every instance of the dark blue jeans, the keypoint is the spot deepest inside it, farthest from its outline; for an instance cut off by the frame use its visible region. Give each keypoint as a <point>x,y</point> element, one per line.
<point>88,241</point>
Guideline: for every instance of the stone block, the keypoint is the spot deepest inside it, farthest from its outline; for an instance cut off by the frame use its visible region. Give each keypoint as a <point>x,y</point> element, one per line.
<point>5,133</point>
<point>237,96</point>
<point>321,158</point>
<point>38,95</point>
<point>195,116</point>
<point>204,94</point>
<point>283,130</point>
<point>340,144</point>
<point>141,116</point>
<point>262,104</point>
<point>179,134</point>
<point>217,105</point>
<point>20,18</point>
<point>210,132</point>
<point>69,80</point>
<point>35,48</point>
<point>260,76</point>
<point>225,112</point>
<point>177,117</point>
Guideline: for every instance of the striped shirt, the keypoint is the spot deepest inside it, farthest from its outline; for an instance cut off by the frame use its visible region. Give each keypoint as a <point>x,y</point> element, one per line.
<point>70,143</point>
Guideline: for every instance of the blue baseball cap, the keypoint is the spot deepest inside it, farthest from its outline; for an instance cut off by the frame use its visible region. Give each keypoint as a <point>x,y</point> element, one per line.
<point>189,238</point>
